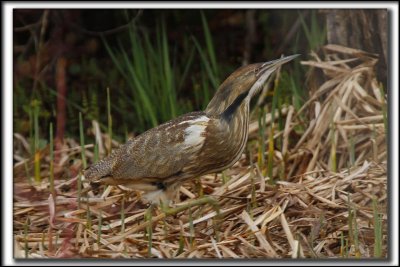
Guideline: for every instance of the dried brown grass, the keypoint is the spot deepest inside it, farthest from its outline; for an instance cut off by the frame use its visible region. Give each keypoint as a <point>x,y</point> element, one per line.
<point>333,168</point>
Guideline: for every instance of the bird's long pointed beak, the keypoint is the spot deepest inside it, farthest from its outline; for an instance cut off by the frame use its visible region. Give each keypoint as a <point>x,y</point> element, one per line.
<point>276,63</point>
<point>266,70</point>
<point>280,61</point>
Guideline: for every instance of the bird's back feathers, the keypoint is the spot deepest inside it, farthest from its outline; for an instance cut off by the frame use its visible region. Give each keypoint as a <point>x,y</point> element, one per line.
<point>158,153</point>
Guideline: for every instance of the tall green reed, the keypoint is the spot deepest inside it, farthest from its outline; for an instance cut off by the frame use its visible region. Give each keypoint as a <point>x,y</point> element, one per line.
<point>158,81</point>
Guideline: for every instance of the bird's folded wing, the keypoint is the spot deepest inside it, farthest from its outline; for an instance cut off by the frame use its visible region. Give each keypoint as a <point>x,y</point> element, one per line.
<point>163,151</point>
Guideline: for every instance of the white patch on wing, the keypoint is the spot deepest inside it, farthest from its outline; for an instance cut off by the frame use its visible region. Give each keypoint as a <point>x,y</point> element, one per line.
<point>194,133</point>
<point>202,119</point>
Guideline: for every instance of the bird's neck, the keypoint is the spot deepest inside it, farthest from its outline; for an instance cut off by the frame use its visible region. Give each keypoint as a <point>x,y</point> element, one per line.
<point>237,129</point>
<point>235,107</point>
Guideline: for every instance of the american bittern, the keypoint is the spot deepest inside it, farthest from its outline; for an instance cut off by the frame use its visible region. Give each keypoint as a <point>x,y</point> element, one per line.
<point>161,159</point>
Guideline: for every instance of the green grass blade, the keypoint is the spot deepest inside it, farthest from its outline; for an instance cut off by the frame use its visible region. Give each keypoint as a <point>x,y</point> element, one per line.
<point>144,97</point>
<point>377,230</point>
<point>210,46</point>
<point>168,75</point>
<point>271,136</point>
<point>211,75</point>
<point>186,68</point>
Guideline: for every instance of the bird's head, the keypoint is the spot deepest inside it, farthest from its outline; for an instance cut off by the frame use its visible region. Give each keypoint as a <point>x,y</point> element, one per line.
<point>244,82</point>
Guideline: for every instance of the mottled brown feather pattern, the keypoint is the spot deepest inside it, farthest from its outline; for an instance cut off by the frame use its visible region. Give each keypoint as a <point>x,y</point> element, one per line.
<point>197,143</point>
<point>157,153</point>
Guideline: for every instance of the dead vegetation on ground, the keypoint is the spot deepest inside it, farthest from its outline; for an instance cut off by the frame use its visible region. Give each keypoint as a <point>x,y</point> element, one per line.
<point>323,207</point>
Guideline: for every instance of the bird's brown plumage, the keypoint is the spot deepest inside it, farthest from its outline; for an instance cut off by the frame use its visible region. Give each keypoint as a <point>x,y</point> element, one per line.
<point>189,146</point>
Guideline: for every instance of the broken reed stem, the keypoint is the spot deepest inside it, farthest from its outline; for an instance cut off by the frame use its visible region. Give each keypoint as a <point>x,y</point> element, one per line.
<point>109,121</point>
<point>261,139</point>
<point>26,230</point>
<point>270,154</point>
<point>99,230</point>
<point>52,161</point>
<point>82,141</point>
<point>333,160</point>
<point>148,216</point>
<point>36,104</point>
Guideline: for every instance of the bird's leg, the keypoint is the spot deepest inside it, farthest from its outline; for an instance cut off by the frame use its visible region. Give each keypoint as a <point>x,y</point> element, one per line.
<point>192,203</point>
<point>148,216</point>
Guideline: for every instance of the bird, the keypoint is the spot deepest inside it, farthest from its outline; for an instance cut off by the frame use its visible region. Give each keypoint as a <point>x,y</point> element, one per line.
<point>161,159</point>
